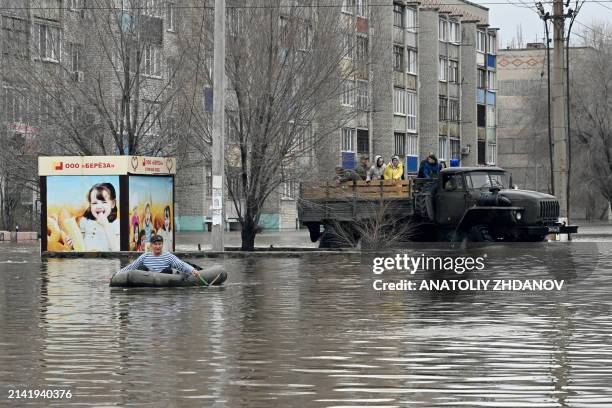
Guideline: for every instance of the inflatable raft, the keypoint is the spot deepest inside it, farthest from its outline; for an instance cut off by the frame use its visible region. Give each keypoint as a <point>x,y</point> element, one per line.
<point>143,279</point>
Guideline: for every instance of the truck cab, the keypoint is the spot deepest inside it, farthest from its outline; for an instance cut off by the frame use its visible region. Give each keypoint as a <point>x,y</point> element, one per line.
<point>479,202</point>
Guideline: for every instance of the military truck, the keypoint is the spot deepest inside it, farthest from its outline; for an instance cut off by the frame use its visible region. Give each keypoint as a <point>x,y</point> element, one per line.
<point>476,204</point>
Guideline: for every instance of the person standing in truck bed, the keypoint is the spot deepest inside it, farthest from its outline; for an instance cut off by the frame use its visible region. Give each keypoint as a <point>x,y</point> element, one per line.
<point>394,170</point>
<point>377,170</point>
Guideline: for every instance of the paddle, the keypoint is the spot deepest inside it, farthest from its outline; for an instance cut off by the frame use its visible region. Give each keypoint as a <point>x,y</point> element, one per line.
<point>199,268</point>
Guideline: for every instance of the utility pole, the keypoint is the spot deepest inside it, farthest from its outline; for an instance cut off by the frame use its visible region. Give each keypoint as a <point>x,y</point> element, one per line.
<point>559,110</point>
<point>218,135</point>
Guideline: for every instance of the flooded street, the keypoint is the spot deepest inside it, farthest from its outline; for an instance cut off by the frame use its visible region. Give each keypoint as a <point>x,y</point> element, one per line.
<point>310,332</point>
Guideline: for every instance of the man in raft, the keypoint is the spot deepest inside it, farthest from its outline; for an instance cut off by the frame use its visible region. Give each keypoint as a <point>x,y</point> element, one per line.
<point>160,261</point>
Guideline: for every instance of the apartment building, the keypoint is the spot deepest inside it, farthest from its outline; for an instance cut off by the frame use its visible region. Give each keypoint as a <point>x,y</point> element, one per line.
<point>432,84</point>
<point>425,82</point>
<point>523,129</point>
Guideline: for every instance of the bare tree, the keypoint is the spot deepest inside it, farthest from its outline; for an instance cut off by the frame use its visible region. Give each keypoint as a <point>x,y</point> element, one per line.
<point>288,65</point>
<point>592,107</point>
<point>102,82</point>
<point>92,78</point>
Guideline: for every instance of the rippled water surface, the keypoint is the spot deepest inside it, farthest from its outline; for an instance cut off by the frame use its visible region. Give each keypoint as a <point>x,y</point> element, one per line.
<point>309,332</point>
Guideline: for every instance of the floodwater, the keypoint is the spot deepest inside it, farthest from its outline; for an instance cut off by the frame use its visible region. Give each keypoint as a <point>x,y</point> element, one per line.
<point>310,332</point>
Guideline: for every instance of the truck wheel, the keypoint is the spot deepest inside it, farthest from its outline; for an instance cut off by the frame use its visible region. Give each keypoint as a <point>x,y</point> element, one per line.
<point>331,238</point>
<point>315,231</point>
<point>480,233</point>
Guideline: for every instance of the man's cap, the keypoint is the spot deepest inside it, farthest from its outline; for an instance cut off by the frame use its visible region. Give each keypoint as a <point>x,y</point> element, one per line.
<point>156,238</point>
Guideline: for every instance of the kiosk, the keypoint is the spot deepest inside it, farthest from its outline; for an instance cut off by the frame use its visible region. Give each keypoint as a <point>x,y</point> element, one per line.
<point>106,203</point>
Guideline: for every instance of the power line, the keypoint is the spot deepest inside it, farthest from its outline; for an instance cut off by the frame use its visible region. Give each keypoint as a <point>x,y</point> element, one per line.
<point>176,6</point>
<point>602,5</point>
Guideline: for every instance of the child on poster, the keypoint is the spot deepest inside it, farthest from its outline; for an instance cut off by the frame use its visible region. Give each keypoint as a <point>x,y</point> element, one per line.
<point>148,223</point>
<point>99,224</point>
<point>166,230</point>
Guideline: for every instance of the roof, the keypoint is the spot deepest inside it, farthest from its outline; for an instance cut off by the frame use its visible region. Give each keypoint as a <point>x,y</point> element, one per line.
<point>466,169</point>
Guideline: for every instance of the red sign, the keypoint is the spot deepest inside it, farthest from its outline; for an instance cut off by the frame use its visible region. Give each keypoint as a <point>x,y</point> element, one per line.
<point>19,127</point>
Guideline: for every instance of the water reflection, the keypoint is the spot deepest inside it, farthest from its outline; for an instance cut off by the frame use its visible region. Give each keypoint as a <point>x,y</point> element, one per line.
<point>311,332</point>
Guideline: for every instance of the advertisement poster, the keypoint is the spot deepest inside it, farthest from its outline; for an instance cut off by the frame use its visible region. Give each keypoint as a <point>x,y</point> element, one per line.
<point>151,211</point>
<point>83,213</point>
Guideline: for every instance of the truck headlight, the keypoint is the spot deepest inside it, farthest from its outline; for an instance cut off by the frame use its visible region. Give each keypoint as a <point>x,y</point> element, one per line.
<point>518,215</point>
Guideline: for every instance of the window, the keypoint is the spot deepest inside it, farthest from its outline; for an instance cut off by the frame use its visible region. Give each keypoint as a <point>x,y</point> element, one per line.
<point>492,45</point>
<point>442,148</point>
<point>153,8</point>
<point>15,36</point>
<point>236,23</point>
<point>348,46</point>
<point>455,149</point>
<point>454,33</point>
<point>347,139</point>
<point>348,6</point>
<point>453,71</point>
<point>453,109</point>
<point>399,101</point>
<point>362,48</point>
<point>363,97</point>
<point>412,61</point>
<point>151,117</point>
<point>398,15</point>
<point>412,145</point>
<point>348,93</point>
<point>491,116</point>
<point>480,41</point>
<point>208,181</point>
<point>152,61</point>
<point>234,184</point>
<point>46,107</point>
<point>75,57</point>
<point>491,154</point>
<point>453,182</point>
<point>481,116</point>
<point>400,144</point>
<point>170,15</point>
<point>77,115</point>
<point>398,58</point>
<point>443,106</point>
<point>362,8</point>
<point>283,23</point>
<point>363,141</point>
<point>411,111</point>
<point>482,78</point>
<point>48,42</point>
<point>442,30</point>
<point>305,36</point>
<point>411,19</point>
<point>12,105</point>
<point>74,5</point>
<point>443,71</point>
<point>171,73</point>
<point>290,189</point>
<point>491,84</point>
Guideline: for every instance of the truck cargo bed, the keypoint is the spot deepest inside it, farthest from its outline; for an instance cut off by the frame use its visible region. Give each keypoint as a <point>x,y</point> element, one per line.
<point>357,200</point>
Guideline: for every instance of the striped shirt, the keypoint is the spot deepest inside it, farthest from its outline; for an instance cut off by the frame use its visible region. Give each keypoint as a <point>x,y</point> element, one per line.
<point>158,263</point>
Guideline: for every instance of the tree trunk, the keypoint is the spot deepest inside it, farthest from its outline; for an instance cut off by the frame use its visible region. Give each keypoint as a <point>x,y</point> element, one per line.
<point>249,230</point>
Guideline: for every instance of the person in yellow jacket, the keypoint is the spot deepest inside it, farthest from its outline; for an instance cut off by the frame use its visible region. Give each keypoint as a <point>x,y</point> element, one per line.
<point>394,170</point>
